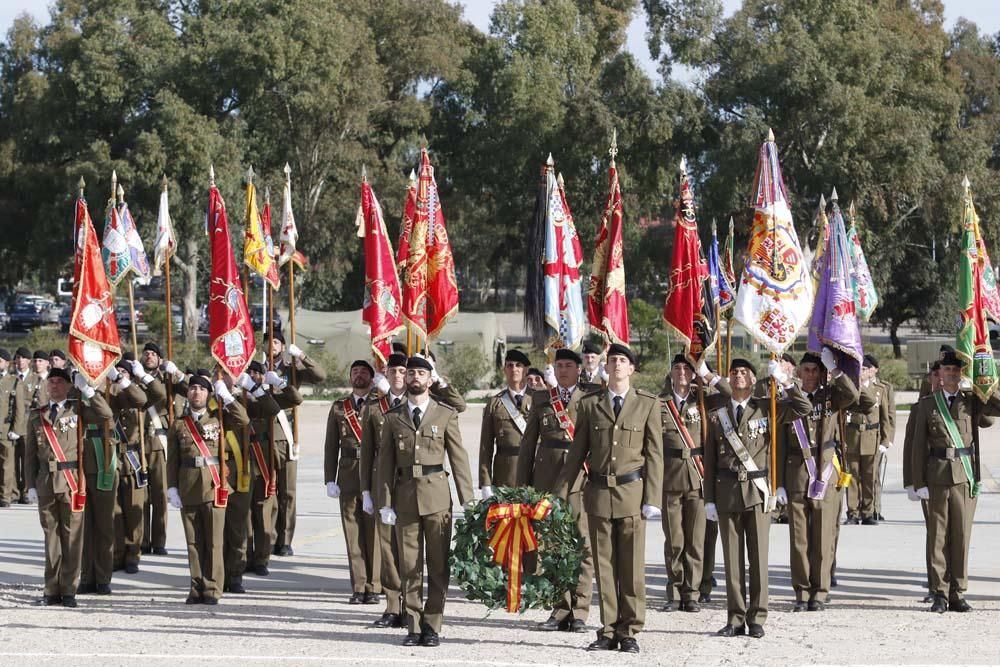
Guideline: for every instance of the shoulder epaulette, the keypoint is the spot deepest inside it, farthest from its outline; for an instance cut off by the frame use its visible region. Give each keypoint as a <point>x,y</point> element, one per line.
<point>647,394</point>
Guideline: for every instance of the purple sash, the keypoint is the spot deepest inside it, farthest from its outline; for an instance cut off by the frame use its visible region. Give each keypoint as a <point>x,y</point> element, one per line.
<point>817,487</point>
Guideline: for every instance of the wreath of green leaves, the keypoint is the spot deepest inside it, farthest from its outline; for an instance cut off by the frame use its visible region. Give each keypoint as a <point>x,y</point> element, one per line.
<point>559,556</point>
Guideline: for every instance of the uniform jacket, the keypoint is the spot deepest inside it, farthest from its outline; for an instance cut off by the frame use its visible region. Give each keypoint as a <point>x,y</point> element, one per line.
<point>8,404</point>
<point>342,460</point>
<point>499,440</point>
<point>195,484</point>
<point>930,437</point>
<point>260,410</point>
<point>31,393</point>
<point>263,419</point>
<point>862,428</point>
<point>680,474</point>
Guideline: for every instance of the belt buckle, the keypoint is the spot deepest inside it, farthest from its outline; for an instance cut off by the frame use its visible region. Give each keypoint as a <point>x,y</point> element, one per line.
<point>612,480</point>
<point>199,462</point>
<point>950,454</point>
<point>741,474</point>
<point>417,471</point>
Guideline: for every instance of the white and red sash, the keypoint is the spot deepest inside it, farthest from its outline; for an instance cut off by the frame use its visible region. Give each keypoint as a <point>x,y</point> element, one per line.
<point>74,490</point>
<point>204,451</point>
<point>685,435</point>
<point>351,415</point>
<point>562,415</point>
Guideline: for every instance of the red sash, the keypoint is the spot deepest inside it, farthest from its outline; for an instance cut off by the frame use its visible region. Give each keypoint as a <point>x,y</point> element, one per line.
<point>204,451</point>
<point>688,440</point>
<point>352,418</point>
<point>270,485</point>
<point>565,423</point>
<point>383,404</point>
<point>78,500</point>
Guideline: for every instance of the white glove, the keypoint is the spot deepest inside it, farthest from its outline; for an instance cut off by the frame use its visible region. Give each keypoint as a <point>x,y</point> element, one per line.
<point>381,383</point>
<point>246,382</point>
<point>828,358</point>
<point>138,371</point>
<point>965,384</point>
<point>388,516</point>
<point>781,495</point>
<point>295,350</point>
<point>650,512</point>
<point>32,497</point>
<point>113,374</point>
<point>366,503</point>
<point>174,498</point>
<point>911,494</point>
<point>124,382</point>
<point>711,513</point>
<point>602,372</point>
<point>487,492</point>
<point>702,370</point>
<point>332,489</point>
<point>774,370</point>
<point>883,448</point>
<point>222,391</point>
<point>273,379</point>
<point>170,368</point>
<point>12,436</point>
<point>924,493</point>
<point>86,390</point>
<point>550,376</point>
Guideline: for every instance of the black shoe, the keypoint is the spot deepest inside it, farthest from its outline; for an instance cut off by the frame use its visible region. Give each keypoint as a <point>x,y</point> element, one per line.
<point>940,605</point>
<point>800,605</point>
<point>816,605</point>
<point>429,638</point>
<point>552,624</point>
<point>387,621</point>
<point>50,600</point>
<point>209,600</point>
<point>704,598</point>
<point>24,501</point>
<point>669,605</point>
<point>357,598</point>
<point>851,519</point>
<point>261,570</point>
<point>371,598</point>
<point>755,630</point>
<point>193,599</point>
<point>690,606</point>
<point>928,599</point>
<point>576,625</point>
<point>412,639</point>
<point>103,589</point>
<point>628,645</point>
<point>285,551</point>
<point>236,586</point>
<point>729,630</point>
<point>869,521</point>
<point>131,568</point>
<point>833,581</point>
<point>879,516</point>
<point>84,589</point>
<point>69,601</point>
<point>160,551</point>
<point>959,606</point>
<point>603,644</point>
<point>146,550</point>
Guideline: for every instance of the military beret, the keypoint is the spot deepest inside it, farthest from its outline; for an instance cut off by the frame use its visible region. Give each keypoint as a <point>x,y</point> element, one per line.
<point>60,373</point>
<point>621,351</point>
<point>256,367</point>
<point>361,363</point>
<point>278,337</point>
<point>398,347</point>
<point>152,347</point>
<point>4,354</point>
<point>535,371</point>
<point>417,361</point>
<point>396,359</point>
<point>870,362</point>
<point>809,358</point>
<point>517,357</point>
<point>128,356</point>
<point>57,354</point>
<point>200,381</point>
<point>946,349</point>
<point>40,354</point>
<point>681,359</point>
<point>23,352</point>
<point>951,359</point>
<point>566,354</point>
<point>124,364</point>
<point>742,363</point>
<point>204,372</point>
<point>787,356</point>
<point>590,348</point>
<point>936,366</point>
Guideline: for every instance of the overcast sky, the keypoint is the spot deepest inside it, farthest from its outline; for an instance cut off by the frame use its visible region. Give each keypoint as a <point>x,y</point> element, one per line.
<point>986,13</point>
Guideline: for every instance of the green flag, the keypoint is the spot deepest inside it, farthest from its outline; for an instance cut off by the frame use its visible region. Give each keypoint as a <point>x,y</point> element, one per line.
<point>973,342</point>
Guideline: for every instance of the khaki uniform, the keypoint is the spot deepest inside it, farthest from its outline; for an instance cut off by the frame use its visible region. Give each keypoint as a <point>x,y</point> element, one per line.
<point>30,393</point>
<point>812,523</point>
<point>887,431</point>
<point>412,481</point>
<point>342,464</point>
<point>63,528</point>
<point>625,457</point>
<point>862,432</point>
<point>307,371</point>
<point>9,491</point>
<point>935,463</point>
<point>203,522</point>
<point>154,529</point>
<point>740,504</point>
<point>264,507</point>
<point>543,452</point>
<point>500,439</point>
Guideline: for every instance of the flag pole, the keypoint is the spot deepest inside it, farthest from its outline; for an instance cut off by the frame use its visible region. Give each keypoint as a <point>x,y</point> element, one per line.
<point>291,314</point>
<point>135,351</point>
<point>221,494</point>
<point>170,324</point>
<point>81,420</point>
<point>270,486</point>
<point>245,275</point>
<point>729,320</point>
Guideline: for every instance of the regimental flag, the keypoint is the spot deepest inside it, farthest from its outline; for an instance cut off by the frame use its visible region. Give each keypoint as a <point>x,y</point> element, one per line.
<point>607,308</point>
<point>94,346</point>
<point>289,232</point>
<point>554,301</point>
<point>382,309</point>
<point>689,310</point>
<point>258,253</point>
<point>775,296</point>
<point>165,245</point>
<point>405,233</point>
<point>728,273</point>
<point>230,333</point>
<point>115,250</point>
<point>139,264</point>
<point>991,299</point>
<point>973,341</point>
<point>865,296</point>
<point>723,291</point>
<point>834,321</point>
<point>273,278</point>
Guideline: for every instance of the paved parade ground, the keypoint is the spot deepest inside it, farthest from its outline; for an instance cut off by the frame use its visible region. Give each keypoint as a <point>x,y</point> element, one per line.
<point>300,614</point>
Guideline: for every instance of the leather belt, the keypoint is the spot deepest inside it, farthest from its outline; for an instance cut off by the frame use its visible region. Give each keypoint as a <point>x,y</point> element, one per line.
<point>552,443</point>
<point>200,462</point>
<point>160,431</point>
<point>55,466</point>
<point>674,453</point>
<point>742,474</point>
<point>863,426</point>
<point>814,449</point>
<point>410,472</point>
<point>350,453</point>
<point>613,480</point>
<point>950,453</point>
<point>131,448</point>
<point>508,450</point>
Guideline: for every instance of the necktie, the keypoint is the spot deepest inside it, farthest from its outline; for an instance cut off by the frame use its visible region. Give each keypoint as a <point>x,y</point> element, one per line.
<point>517,400</point>
<point>951,401</point>
<point>416,417</point>
<point>565,395</point>
<point>52,412</point>
<point>739,414</point>
<point>680,404</point>
<point>357,404</point>
<point>396,401</point>
<point>617,404</point>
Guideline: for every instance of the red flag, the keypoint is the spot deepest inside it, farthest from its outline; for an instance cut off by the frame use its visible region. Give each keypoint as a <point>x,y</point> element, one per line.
<point>230,333</point>
<point>382,300</point>
<point>94,346</point>
<point>607,308</point>
<point>272,277</point>
<point>689,310</point>
<point>411,281</point>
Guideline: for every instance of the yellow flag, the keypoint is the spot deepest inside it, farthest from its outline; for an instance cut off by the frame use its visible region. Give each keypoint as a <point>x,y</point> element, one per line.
<point>256,251</point>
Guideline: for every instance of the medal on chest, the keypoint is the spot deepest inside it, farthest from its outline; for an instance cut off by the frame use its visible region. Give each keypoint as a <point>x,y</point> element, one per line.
<point>211,431</point>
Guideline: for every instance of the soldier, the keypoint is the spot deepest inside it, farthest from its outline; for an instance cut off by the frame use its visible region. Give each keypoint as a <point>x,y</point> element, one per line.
<point>263,466</point>
<point>683,473</point>
<point>862,439</point>
<point>306,371</point>
<point>342,467</point>
<point>392,393</point>
<point>593,370</point>
<point>943,474</point>
<point>8,480</point>
<point>887,428</point>
<point>192,479</point>
<point>503,426</point>
<point>414,488</point>
<point>931,383</point>
<point>620,436</point>
<point>30,393</point>
<point>52,476</point>
<point>544,448</point>
<point>737,487</point>
<point>57,359</point>
<point>808,473</point>
<point>536,380</point>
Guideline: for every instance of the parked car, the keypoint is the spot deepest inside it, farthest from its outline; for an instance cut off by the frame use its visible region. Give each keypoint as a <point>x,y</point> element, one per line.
<point>123,318</point>
<point>65,313</point>
<point>4,318</point>
<point>25,317</point>
<point>49,311</point>
<point>203,319</point>
<point>258,318</point>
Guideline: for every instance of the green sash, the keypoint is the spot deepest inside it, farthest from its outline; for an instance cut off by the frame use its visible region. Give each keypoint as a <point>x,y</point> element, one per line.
<point>105,473</point>
<point>956,440</point>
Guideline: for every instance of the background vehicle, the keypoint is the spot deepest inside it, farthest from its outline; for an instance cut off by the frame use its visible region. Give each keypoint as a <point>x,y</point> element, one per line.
<point>258,318</point>
<point>25,317</point>
<point>4,318</point>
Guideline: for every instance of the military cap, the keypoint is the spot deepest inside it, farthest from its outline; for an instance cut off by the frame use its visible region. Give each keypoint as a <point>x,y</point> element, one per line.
<point>621,351</point>
<point>564,353</point>
<point>517,357</point>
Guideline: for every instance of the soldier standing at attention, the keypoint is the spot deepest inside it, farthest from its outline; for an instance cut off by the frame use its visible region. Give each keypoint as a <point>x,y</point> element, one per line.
<point>620,436</point>
<point>737,485</point>
<point>887,427</point>
<point>414,489</point>
<point>503,426</point>
<point>52,475</point>
<point>863,445</point>
<point>593,371</point>
<point>8,480</point>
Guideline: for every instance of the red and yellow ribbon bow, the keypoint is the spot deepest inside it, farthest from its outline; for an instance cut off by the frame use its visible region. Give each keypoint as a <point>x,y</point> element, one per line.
<point>513,536</point>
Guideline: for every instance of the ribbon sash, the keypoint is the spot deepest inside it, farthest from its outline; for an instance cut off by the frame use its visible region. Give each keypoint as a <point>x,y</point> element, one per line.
<point>105,468</point>
<point>514,535</point>
<point>265,470</point>
<point>512,410</point>
<point>686,436</point>
<point>742,454</point>
<point>203,450</point>
<point>286,428</point>
<point>156,428</point>
<point>956,441</point>
<point>76,497</point>
<point>562,415</point>
<point>351,416</point>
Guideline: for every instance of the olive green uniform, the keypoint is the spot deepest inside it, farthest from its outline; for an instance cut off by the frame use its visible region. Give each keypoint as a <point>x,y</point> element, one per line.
<point>154,530</point>
<point>500,439</point>
<point>30,393</point>
<point>862,433</point>
<point>9,491</point>
<point>887,431</point>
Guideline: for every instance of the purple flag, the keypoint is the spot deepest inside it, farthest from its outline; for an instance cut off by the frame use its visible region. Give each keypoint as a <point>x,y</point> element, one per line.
<point>834,322</point>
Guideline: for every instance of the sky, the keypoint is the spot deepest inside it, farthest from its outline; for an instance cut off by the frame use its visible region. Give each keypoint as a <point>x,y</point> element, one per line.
<point>986,13</point>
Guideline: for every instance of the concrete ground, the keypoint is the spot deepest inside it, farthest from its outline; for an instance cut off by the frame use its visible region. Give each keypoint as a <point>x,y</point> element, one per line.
<point>300,615</point>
